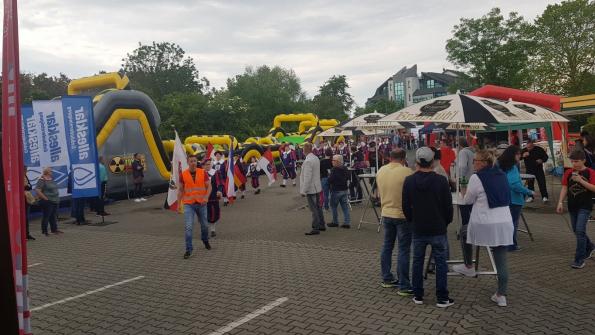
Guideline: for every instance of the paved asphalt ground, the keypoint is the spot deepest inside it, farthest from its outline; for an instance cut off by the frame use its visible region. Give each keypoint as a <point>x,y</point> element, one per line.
<point>264,276</point>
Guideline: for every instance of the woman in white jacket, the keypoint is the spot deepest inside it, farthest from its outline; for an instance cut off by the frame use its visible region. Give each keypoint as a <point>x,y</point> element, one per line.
<point>490,223</point>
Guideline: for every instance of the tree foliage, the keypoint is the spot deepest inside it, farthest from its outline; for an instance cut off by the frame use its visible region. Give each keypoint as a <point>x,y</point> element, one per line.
<point>162,68</point>
<point>383,106</point>
<point>564,61</point>
<point>333,101</point>
<point>215,113</point>
<point>495,50</point>
<point>267,91</point>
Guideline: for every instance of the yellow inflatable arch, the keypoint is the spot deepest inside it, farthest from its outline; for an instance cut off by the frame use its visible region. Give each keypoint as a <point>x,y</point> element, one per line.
<point>112,80</point>
<point>212,139</point>
<point>324,124</point>
<point>293,118</point>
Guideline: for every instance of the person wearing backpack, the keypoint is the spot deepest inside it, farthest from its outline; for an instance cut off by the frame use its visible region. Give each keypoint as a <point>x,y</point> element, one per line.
<point>578,184</point>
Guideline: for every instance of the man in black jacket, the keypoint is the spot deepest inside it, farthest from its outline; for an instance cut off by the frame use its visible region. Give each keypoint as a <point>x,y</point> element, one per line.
<point>337,181</point>
<point>534,157</point>
<point>427,205</point>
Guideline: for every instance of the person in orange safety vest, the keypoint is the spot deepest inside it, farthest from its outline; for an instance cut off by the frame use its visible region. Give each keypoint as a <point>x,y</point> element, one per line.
<point>193,195</point>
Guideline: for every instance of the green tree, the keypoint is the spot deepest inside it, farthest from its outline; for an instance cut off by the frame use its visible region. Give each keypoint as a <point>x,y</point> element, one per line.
<point>162,68</point>
<point>267,91</point>
<point>216,113</point>
<point>333,101</point>
<point>493,49</point>
<point>41,86</point>
<point>382,105</point>
<point>564,62</point>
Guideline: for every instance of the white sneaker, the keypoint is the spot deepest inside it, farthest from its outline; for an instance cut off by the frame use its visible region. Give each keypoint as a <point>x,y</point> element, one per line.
<point>464,270</point>
<point>529,199</point>
<point>143,199</point>
<point>500,300</point>
<point>545,199</point>
<point>137,200</point>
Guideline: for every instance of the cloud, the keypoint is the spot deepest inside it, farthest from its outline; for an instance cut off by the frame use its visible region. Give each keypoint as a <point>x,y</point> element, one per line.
<point>366,41</point>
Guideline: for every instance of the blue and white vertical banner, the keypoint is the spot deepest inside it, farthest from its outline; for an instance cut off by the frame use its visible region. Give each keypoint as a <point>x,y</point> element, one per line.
<point>61,134</point>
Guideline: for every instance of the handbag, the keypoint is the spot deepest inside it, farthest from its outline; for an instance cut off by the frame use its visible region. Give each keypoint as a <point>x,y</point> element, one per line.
<point>30,198</point>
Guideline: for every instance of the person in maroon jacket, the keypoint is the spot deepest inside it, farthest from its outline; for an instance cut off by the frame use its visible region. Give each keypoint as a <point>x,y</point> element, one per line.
<point>213,209</point>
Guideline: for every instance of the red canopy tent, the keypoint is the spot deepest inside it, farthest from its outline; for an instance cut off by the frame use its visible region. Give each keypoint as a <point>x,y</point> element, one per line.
<point>546,100</point>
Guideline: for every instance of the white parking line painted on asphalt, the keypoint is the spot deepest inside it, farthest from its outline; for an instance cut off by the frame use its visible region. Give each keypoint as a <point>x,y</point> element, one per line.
<point>34,264</point>
<point>86,293</point>
<point>255,314</point>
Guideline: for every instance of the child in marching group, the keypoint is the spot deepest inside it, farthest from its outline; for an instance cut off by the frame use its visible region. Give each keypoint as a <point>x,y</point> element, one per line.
<point>213,209</point>
<point>253,173</point>
<point>288,162</point>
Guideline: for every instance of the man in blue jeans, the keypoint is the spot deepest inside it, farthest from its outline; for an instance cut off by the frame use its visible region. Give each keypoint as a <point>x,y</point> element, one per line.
<point>389,182</point>
<point>579,184</point>
<point>338,180</point>
<point>193,194</point>
<point>427,204</point>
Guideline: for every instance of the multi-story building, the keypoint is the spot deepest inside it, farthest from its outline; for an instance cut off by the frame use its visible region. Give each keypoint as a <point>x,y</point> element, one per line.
<point>406,88</point>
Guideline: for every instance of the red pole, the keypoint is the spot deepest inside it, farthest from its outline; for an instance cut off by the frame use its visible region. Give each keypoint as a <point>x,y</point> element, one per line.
<point>12,161</point>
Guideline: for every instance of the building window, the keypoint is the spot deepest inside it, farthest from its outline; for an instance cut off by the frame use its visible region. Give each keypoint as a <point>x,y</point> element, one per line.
<point>430,83</point>
<point>400,92</point>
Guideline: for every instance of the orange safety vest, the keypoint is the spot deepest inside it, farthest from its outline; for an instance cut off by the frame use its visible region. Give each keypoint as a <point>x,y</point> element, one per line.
<point>195,191</point>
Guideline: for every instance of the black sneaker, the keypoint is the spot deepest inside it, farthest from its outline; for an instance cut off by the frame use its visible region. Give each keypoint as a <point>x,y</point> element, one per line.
<point>213,234</point>
<point>346,226</point>
<point>418,301</point>
<point>313,232</point>
<point>257,191</point>
<point>207,245</point>
<point>332,225</point>
<point>578,265</point>
<point>282,185</point>
<point>242,197</point>
<point>187,254</point>
<point>445,303</point>
<point>30,238</point>
<point>390,283</point>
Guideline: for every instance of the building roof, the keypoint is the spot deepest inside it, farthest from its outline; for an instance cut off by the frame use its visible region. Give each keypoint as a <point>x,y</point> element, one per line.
<point>426,91</point>
<point>406,73</point>
<point>454,72</point>
<point>441,77</point>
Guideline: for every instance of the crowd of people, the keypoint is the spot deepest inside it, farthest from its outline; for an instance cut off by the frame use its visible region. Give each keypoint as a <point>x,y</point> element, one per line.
<point>416,202</point>
<point>46,196</point>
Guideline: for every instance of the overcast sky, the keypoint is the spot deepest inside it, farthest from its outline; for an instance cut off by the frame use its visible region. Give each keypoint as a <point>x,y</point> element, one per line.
<point>365,40</point>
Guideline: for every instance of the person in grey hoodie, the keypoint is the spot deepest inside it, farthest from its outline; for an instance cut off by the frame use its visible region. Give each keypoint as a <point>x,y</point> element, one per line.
<point>465,159</point>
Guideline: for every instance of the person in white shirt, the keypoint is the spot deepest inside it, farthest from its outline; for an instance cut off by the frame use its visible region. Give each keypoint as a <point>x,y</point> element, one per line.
<point>311,186</point>
<point>490,223</point>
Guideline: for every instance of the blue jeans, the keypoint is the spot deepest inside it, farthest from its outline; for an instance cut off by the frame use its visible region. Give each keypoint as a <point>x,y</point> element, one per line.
<point>201,212</point>
<point>396,229</point>
<point>584,245</point>
<point>439,247</point>
<point>342,198</point>
<point>325,191</point>
<point>515,212</point>
<point>49,210</point>
<point>499,254</point>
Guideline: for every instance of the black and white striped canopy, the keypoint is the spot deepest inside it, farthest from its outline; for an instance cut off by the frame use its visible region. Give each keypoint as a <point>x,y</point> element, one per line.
<point>461,108</point>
